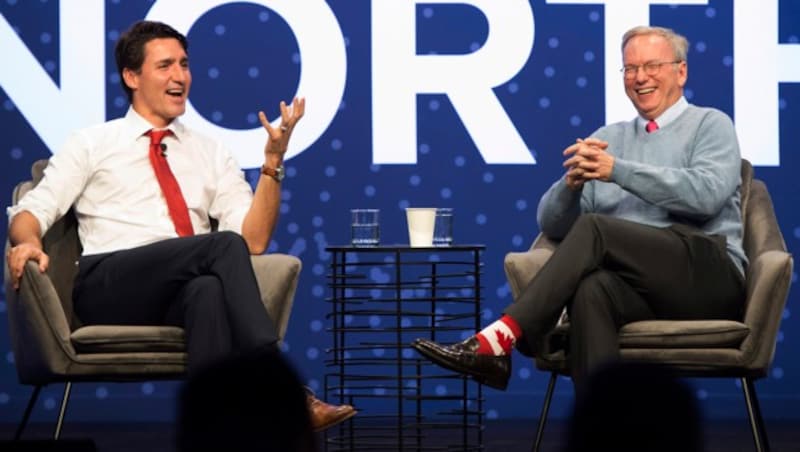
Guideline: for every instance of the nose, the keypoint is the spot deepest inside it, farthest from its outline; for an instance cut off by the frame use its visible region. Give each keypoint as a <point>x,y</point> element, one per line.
<point>179,73</point>
<point>641,75</point>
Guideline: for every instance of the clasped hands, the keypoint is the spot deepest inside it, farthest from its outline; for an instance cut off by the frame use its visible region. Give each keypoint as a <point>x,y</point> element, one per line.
<point>587,160</point>
<point>278,138</point>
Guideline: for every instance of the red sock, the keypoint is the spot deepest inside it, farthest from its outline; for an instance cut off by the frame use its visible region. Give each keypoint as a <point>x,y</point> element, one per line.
<point>499,337</point>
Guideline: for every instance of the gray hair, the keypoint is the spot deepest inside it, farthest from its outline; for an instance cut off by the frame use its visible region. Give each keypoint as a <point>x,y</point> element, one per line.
<point>680,45</point>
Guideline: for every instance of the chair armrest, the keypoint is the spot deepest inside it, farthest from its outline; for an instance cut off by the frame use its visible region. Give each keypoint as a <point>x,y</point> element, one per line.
<point>769,277</point>
<point>522,267</point>
<point>40,334</point>
<point>761,229</point>
<point>544,242</point>
<point>277,276</point>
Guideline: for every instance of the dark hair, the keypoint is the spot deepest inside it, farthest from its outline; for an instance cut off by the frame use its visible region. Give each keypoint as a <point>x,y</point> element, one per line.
<point>129,51</point>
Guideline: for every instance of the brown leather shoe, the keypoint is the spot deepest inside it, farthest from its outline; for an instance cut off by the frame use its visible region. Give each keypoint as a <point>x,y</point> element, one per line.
<point>324,415</point>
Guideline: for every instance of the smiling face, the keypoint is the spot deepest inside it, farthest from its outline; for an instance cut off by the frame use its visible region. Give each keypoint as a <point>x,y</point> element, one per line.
<point>653,94</point>
<point>161,87</point>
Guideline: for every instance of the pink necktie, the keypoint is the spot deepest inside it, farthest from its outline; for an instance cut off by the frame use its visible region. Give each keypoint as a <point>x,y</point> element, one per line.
<point>651,126</point>
<point>169,186</point>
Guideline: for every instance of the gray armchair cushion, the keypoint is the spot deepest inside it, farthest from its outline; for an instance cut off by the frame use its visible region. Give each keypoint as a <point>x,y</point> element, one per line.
<point>683,334</point>
<point>661,334</point>
<point>128,339</point>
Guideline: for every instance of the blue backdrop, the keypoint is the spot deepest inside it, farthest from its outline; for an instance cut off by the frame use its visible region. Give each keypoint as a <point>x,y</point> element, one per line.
<point>247,56</point>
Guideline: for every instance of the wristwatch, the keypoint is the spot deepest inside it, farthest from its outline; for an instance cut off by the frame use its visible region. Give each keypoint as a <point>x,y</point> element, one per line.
<point>276,173</point>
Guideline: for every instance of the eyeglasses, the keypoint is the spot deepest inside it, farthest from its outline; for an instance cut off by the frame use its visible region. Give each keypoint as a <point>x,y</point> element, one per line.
<point>629,71</point>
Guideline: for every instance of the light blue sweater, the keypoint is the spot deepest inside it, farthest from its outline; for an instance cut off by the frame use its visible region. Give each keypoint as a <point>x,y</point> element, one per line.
<point>686,172</point>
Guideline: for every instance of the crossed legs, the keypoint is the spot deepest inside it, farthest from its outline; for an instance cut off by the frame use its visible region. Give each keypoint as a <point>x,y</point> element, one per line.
<point>609,272</point>
<point>204,283</point>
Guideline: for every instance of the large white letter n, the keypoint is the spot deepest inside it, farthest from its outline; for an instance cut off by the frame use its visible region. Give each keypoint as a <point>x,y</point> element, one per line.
<point>399,74</point>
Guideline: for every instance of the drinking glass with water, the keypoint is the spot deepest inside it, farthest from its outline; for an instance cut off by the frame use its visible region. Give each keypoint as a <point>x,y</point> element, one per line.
<point>443,227</point>
<point>364,228</point>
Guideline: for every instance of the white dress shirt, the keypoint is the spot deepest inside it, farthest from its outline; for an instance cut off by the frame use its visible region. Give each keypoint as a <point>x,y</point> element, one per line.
<point>668,115</point>
<point>105,172</point>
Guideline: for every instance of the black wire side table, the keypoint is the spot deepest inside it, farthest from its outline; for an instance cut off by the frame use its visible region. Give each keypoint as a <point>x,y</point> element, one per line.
<point>381,299</point>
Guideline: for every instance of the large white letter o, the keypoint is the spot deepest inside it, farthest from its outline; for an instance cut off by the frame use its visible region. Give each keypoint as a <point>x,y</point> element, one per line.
<point>322,75</point>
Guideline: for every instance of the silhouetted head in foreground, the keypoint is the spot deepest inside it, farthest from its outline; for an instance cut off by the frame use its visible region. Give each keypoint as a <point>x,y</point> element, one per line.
<point>250,402</point>
<point>635,407</point>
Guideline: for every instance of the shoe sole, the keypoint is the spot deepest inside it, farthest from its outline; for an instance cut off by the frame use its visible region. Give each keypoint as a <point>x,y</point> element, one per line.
<point>496,383</point>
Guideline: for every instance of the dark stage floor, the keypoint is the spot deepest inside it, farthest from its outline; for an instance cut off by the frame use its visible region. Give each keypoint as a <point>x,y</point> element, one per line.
<point>503,436</point>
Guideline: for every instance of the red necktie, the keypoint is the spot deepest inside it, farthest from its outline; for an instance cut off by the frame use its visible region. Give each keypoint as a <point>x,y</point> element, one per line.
<point>169,186</point>
<point>651,126</point>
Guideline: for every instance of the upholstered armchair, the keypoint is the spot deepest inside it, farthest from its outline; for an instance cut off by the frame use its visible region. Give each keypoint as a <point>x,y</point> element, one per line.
<point>51,346</point>
<point>741,349</point>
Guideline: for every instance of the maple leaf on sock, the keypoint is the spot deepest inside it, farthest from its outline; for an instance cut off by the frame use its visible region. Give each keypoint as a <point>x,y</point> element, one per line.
<point>505,341</point>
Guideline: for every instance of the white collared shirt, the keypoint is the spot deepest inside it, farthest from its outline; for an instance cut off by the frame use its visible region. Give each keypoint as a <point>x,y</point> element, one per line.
<point>669,115</point>
<point>105,172</point>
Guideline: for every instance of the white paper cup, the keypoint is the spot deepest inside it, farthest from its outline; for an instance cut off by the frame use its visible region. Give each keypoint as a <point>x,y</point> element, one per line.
<point>420,225</point>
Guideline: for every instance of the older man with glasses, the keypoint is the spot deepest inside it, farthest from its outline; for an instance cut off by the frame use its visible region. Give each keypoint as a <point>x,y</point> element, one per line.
<point>648,214</point>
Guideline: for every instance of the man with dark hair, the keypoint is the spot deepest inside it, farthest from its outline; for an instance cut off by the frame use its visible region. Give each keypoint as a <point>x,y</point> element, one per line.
<point>130,49</point>
<point>643,208</point>
<point>149,256</point>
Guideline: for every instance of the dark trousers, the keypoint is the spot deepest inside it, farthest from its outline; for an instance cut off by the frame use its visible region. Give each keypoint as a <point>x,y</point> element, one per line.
<point>204,283</point>
<point>609,272</point>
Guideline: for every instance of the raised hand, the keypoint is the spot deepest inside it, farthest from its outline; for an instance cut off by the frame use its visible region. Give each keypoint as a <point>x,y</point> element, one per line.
<point>278,138</point>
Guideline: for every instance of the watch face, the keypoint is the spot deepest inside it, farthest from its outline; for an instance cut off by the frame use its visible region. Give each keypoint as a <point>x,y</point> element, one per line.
<point>279,173</point>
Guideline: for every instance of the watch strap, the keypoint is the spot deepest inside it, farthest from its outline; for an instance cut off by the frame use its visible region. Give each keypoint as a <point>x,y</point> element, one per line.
<point>275,173</point>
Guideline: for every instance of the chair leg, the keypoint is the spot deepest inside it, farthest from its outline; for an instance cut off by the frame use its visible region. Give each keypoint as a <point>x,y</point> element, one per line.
<point>63,409</point>
<point>548,397</point>
<point>27,414</point>
<point>754,413</point>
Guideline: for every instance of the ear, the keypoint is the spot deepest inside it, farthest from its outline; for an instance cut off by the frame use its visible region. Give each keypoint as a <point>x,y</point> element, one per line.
<point>130,78</point>
<point>683,73</point>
